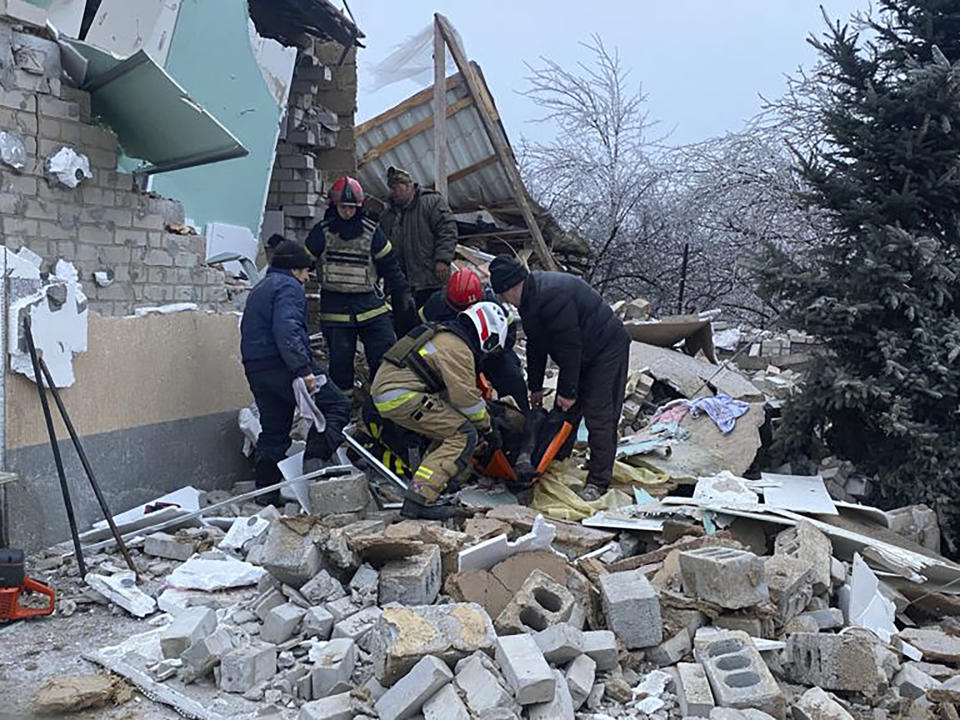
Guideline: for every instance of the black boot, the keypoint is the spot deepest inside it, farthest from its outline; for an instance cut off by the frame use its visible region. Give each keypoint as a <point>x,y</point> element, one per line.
<point>415,510</point>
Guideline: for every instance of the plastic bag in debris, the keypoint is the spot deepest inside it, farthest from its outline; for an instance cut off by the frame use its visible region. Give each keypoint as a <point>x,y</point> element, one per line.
<point>69,167</point>
<point>410,60</point>
<point>12,150</point>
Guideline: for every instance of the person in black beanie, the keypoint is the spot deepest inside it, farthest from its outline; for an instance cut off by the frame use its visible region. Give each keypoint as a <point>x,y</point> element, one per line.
<point>565,318</point>
<point>275,349</point>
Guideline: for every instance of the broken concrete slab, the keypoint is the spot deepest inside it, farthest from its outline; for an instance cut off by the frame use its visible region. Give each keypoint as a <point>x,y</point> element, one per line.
<point>525,669</point>
<point>730,578</point>
<point>539,603</point>
<point>632,608</point>
<point>415,580</point>
<point>815,704</point>
<point>572,538</point>
<point>936,645</point>
<point>410,692</point>
<point>200,573</point>
<point>486,554</point>
<point>121,589</point>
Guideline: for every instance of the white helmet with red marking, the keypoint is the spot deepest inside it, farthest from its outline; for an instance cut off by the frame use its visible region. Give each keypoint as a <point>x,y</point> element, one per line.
<point>490,322</point>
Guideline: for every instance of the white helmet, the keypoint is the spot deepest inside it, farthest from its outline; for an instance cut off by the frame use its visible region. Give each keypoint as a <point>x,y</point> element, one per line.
<point>490,321</point>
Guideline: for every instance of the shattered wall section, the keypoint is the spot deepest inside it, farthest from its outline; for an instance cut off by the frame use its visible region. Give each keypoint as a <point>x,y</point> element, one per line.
<point>103,225</point>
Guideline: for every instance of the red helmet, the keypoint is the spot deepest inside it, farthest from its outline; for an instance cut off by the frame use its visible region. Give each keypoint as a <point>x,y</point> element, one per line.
<point>464,289</point>
<point>346,191</point>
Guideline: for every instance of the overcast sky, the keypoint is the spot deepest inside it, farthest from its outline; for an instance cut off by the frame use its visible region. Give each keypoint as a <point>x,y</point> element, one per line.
<point>701,63</point>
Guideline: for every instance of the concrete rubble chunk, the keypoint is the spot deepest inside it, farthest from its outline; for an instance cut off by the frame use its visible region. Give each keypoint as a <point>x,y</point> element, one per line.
<point>281,623</point>
<point>580,676</point>
<point>481,685</point>
<point>601,646</point>
<point>853,662</point>
<point>343,494</point>
<point>414,580</point>
<point>445,705</point>
<point>525,669</point>
<point>335,707</point>
<point>694,696</point>
<point>409,694</point>
<point>632,608</point>
<point>450,632</point>
<point>935,644</point>
<point>357,626</point>
<point>560,643</point>
<point>121,589</point>
<point>807,544</point>
<point>245,667</point>
<point>738,676</point>
<point>791,582</point>
<point>333,663</point>
<point>827,619</point>
<point>267,601</point>
<point>913,682</point>
<point>342,608</point>
<point>318,622</point>
<point>188,627</point>
<point>290,552</point>
<point>560,706</point>
<point>815,704</point>
<point>671,651</point>
<point>539,603</point>
<point>322,588</point>
<point>203,655</point>
<point>365,586</point>
<point>171,547</point>
<point>724,576</point>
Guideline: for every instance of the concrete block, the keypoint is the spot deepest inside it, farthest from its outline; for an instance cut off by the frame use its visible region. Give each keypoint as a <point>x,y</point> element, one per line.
<point>738,675</point>
<point>268,600</point>
<point>671,651</point>
<point>201,657</point>
<point>333,663</point>
<point>344,494</point>
<point>826,619</point>
<point>357,626</point>
<point>801,623</point>
<point>481,685</point>
<point>187,628</point>
<point>408,695</point>
<point>525,669</point>
<point>247,666</point>
<point>601,646</point>
<point>724,576</point>
<point>790,581</point>
<point>414,580</point>
<point>694,696</point>
<point>539,603</point>
<point>318,622</point>
<point>748,623</point>
<point>580,676</point>
<point>815,704</point>
<point>335,707</point>
<point>560,707</point>
<point>913,682</point>
<point>804,542</point>
<point>445,705</point>
<point>560,643</point>
<point>450,632</point>
<point>365,586</point>
<point>342,608</point>
<point>290,557</point>
<point>171,547</point>
<point>854,661</point>
<point>632,608</point>
<point>281,623</point>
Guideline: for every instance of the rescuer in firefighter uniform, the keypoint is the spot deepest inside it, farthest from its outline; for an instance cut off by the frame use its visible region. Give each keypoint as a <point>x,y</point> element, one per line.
<point>428,384</point>
<point>351,254</point>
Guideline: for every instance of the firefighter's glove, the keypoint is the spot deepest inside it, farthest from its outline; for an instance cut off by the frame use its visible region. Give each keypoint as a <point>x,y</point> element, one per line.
<point>493,439</point>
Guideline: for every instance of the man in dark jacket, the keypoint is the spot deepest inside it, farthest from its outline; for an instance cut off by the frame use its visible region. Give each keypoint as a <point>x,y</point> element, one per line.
<point>351,254</point>
<point>275,349</point>
<point>565,318</point>
<point>422,228</point>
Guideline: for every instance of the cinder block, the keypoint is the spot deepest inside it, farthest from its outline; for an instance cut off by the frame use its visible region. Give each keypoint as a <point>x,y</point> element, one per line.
<point>481,685</point>
<point>724,576</point>
<point>414,580</point>
<point>345,494</point>
<point>201,657</point>
<point>854,661</point>
<point>409,694</point>
<point>580,676</point>
<point>694,696</point>
<point>671,651</point>
<point>539,603</point>
<point>290,557</point>
<point>632,608</point>
<point>601,647</point>
<point>525,669</point>
<point>245,667</point>
<point>333,663</point>
<point>187,628</point>
<point>445,705</point>
<point>560,643</point>
<point>738,675</point>
<point>335,707</point>
<point>281,623</point>
<point>317,622</point>
<point>560,707</point>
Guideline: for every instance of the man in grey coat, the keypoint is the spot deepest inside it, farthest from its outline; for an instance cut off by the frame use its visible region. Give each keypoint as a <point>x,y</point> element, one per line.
<point>421,227</point>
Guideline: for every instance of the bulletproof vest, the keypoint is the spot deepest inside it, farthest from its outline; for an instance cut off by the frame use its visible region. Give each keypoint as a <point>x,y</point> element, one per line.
<point>405,353</point>
<point>346,265</point>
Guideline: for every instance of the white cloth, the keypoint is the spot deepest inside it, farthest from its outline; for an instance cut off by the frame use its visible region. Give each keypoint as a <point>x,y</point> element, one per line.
<point>305,404</point>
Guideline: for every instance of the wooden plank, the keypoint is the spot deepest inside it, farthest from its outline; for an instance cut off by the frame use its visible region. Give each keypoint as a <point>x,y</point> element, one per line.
<point>471,169</point>
<point>497,139</point>
<point>439,116</point>
<point>397,110</point>
<point>412,131</point>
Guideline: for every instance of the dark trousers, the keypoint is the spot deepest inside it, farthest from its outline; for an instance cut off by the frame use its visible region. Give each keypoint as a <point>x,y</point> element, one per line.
<point>273,392</point>
<point>600,402</point>
<point>377,337</point>
<point>505,374</point>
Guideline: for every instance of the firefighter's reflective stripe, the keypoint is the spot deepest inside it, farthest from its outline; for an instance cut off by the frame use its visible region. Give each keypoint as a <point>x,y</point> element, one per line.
<point>422,315</point>
<point>475,412</point>
<point>425,476</point>
<point>391,399</point>
<point>387,248</point>
<point>358,318</point>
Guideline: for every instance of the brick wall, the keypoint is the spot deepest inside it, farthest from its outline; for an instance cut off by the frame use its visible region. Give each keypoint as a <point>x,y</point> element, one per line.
<point>104,224</point>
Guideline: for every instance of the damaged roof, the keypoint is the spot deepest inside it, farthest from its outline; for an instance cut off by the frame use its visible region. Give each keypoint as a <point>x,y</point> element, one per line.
<point>287,20</point>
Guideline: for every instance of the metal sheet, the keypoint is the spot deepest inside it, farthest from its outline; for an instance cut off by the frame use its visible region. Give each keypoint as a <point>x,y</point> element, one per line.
<point>799,493</point>
<point>154,118</point>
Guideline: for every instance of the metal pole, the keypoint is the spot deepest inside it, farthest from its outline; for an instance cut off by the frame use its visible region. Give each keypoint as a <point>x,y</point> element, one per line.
<point>683,277</point>
<point>377,465</point>
<point>87,469</point>
<point>51,431</point>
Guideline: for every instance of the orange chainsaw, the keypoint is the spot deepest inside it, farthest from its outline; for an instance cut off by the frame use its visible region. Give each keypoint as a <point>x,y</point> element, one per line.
<point>13,583</point>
